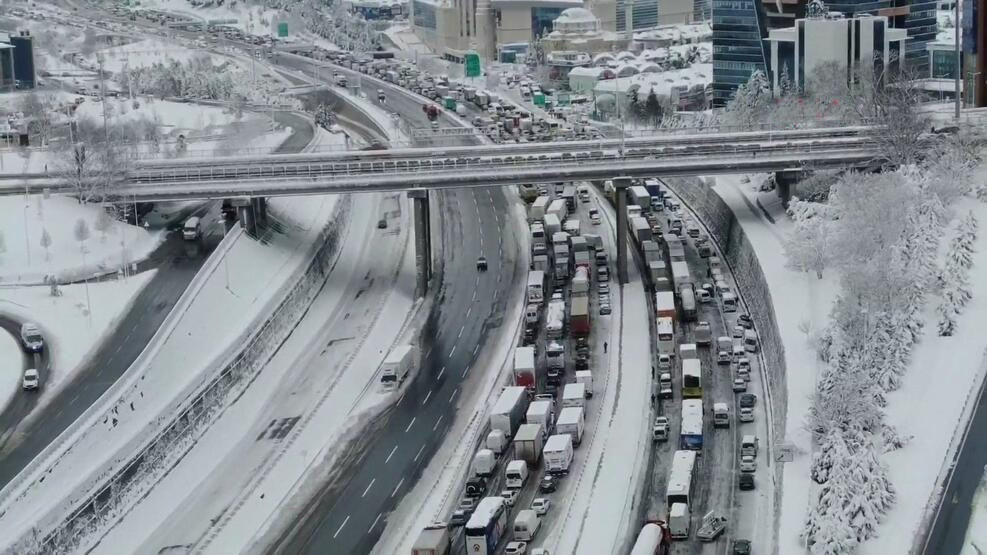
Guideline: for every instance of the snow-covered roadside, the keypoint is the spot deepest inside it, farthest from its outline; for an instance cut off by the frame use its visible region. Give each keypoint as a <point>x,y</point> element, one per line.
<point>248,282</point>
<point>73,331</point>
<point>26,221</point>
<point>976,536</point>
<point>11,360</point>
<point>803,303</point>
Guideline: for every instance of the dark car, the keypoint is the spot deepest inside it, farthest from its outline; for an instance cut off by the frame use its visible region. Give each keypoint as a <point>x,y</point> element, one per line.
<point>747,400</point>
<point>582,363</point>
<point>382,223</point>
<point>548,484</point>
<point>745,321</point>
<point>481,264</point>
<point>746,482</point>
<point>459,518</point>
<point>741,547</point>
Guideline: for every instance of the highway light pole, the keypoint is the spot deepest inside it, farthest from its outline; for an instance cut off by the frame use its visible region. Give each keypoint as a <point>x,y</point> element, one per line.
<point>959,65</point>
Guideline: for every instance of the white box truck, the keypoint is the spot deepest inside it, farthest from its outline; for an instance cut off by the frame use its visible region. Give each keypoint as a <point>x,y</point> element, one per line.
<point>574,395</point>
<point>433,540</point>
<point>558,209</point>
<point>688,351</point>
<point>571,421</point>
<point>396,366</point>
<point>536,287</point>
<point>678,521</point>
<point>555,319</point>
<point>558,454</point>
<point>528,443</point>
<point>585,377</point>
<point>538,208</point>
<point>541,413</point>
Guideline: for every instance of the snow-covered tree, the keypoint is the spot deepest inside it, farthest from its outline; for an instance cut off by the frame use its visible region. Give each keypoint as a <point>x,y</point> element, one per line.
<point>81,232</point>
<point>103,223</point>
<point>750,103</point>
<point>955,275</point>
<point>46,243</point>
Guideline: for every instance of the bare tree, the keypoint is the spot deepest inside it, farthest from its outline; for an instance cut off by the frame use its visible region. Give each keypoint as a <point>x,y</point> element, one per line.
<point>94,165</point>
<point>46,243</point>
<point>39,109</point>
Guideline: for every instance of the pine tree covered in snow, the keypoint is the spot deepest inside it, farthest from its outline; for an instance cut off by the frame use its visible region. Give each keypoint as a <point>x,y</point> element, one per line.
<point>750,103</point>
<point>955,275</point>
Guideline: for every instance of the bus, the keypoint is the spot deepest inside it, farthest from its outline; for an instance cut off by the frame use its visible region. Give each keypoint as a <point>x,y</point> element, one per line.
<point>486,526</point>
<point>692,378</point>
<point>666,335</point>
<point>680,478</point>
<point>691,436</point>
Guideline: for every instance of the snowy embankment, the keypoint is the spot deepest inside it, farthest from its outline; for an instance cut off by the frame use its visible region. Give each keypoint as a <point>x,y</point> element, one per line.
<point>975,541</point>
<point>243,277</point>
<point>75,323</point>
<point>11,367</point>
<point>251,19</point>
<point>41,237</point>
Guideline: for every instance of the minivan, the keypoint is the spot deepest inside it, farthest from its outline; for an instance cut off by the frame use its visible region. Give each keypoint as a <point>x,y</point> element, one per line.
<point>721,415</point>
<point>729,302</point>
<point>750,341</point>
<point>192,229</point>
<point>516,474</point>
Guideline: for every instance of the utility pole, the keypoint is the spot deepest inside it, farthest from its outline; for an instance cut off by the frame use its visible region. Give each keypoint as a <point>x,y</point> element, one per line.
<point>102,97</point>
<point>959,60</point>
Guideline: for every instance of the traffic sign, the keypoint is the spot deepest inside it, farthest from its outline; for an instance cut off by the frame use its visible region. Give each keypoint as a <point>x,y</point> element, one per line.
<point>784,452</point>
<point>283,29</point>
<point>472,61</point>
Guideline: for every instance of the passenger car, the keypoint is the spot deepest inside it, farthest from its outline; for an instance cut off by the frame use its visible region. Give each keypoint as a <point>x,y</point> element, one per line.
<point>31,338</point>
<point>30,381</point>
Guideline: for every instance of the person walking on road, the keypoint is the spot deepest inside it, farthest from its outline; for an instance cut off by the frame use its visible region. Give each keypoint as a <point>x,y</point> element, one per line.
<point>604,346</point>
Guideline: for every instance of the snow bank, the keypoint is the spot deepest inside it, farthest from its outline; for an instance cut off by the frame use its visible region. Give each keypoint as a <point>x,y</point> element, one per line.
<point>976,535</point>
<point>73,327</point>
<point>143,53</point>
<point>243,277</point>
<point>24,221</point>
<point>11,367</point>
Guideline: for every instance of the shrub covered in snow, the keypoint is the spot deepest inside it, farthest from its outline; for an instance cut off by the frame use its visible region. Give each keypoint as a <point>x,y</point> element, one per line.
<point>954,277</point>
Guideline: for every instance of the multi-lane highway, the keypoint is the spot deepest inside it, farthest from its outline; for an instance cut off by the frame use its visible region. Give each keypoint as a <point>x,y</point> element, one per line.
<point>349,515</point>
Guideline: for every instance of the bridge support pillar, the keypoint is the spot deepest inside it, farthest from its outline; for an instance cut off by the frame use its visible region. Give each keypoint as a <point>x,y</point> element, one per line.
<point>245,211</point>
<point>621,184</point>
<point>784,181</point>
<point>260,211</point>
<point>423,244</point>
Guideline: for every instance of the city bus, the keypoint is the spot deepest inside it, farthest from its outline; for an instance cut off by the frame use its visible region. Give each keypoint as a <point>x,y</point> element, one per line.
<point>679,488</point>
<point>691,436</point>
<point>666,335</point>
<point>692,378</point>
<point>486,526</point>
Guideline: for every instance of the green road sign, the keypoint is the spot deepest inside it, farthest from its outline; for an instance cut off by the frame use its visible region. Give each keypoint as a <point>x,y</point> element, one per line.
<point>282,29</point>
<point>472,60</point>
<point>538,99</point>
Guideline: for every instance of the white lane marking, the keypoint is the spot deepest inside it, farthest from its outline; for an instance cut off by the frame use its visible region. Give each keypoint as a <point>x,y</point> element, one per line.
<point>370,485</point>
<point>428,352</point>
<point>427,397</point>
<point>454,393</point>
<point>340,529</point>
<point>443,371</point>
<point>476,348</point>
<point>461,331</point>
<point>376,520</point>
<point>452,351</point>
<point>397,487</point>
<point>391,454</point>
<point>474,294</point>
<point>410,424</point>
<point>419,453</point>
<point>437,422</point>
<point>466,371</point>
<point>470,308</point>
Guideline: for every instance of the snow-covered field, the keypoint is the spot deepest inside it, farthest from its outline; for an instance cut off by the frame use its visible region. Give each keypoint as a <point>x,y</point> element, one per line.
<point>247,283</point>
<point>143,53</point>
<point>11,368</point>
<point>25,222</point>
<point>75,323</point>
<point>251,19</point>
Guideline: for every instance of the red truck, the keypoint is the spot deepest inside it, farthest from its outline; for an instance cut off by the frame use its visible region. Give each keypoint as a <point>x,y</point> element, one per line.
<point>579,316</point>
<point>431,111</point>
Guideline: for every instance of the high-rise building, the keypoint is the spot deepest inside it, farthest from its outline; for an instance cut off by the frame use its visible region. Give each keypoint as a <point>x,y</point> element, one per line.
<point>974,41</point>
<point>24,70</point>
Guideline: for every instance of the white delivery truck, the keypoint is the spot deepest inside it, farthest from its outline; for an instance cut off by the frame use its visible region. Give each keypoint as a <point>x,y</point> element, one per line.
<point>536,287</point>
<point>555,319</point>
<point>396,366</point>
<point>678,521</point>
<point>524,368</point>
<point>526,524</point>
<point>433,540</point>
<point>541,413</point>
<point>688,351</point>
<point>538,209</point>
<point>558,454</point>
<point>574,395</point>
<point>528,443</point>
<point>516,474</point>
<point>585,377</point>
<point>572,421</point>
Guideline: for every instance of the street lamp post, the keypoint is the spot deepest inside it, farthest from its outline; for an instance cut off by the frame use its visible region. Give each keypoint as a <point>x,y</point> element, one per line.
<point>959,64</point>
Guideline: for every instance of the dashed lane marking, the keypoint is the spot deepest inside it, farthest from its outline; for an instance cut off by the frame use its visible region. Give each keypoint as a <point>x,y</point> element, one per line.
<point>453,396</point>
<point>419,454</point>
<point>340,529</point>
<point>397,487</point>
<point>452,351</point>
<point>410,424</point>
<point>374,525</point>
<point>427,397</point>
<point>437,422</point>
<point>391,454</point>
<point>443,371</point>
<point>370,485</point>
<point>461,331</point>
<point>466,371</point>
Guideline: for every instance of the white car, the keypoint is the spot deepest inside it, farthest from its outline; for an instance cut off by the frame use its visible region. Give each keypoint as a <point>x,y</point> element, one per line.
<point>748,464</point>
<point>744,363</point>
<point>739,385</point>
<point>510,496</point>
<point>738,332</point>
<point>516,548</point>
<point>30,381</point>
<point>31,338</point>
<point>540,506</point>
<point>594,216</point>
<point>664,362</point>
<point>746,414</point>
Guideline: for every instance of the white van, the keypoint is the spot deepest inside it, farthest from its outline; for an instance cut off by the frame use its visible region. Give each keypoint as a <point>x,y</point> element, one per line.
<point>526,524</point>
<point>192,229</point>
<point>738,352</point>
<point>516,474</point>
<point>724,346</point>
<point>721,415</point>
<point>748,446</point>
<point>750,341</point>
<point>729,302</point>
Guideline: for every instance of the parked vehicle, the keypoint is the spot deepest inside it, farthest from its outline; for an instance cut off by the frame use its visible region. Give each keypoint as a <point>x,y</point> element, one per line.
<point>659,432</point>
<point>748,464</point>
<point>516,548</point>
<point>509,410</point>
<point>30,380</point>
<point>749,445</point>
<point>740,547</point>
<point>574,395</point>
<point>679,521</point>
<point>571,421</point>
<point>746,482</point>
<point>524,368</point>
<point>745,414</point>
<point>541,412</point>
<point>510,496</point>
<point>496,441</point>
<point>541,505</point>
<point>703,333</point>
<point>548,484</point>
<point>713,525</point>
<point>747,400</point>
<point>585,377</point>
<point>484,463</point>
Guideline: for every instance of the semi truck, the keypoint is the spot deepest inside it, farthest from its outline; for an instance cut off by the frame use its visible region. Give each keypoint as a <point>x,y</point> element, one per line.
<point>524,368</point>
<point>640,229</point>
<point>396,366</point>
<point>558,454</point>
<point>574,395</point>
<point>651,251</point>
<point>509,410</point>
<point>579,316</point>
<point>536,287</point>
<point>554,318</point>
<point>680,274</point>
<point>528,443</point>
<point>571,421</point>
<point>639,196</point>
<point>558,209</point>
<point>538,208</point>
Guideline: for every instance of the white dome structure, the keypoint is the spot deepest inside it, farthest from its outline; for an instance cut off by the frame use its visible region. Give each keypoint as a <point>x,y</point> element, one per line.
<point>577,21</point>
